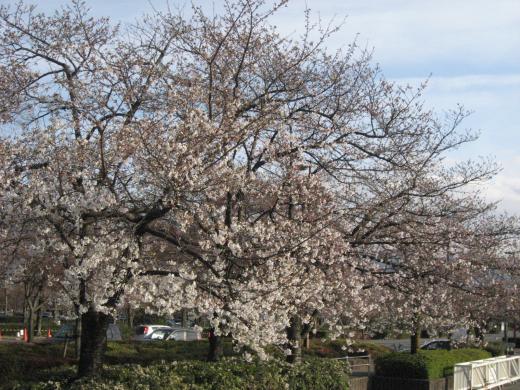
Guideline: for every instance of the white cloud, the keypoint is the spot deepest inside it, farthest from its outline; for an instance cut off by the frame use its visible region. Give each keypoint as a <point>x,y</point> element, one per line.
<point>505,187</point>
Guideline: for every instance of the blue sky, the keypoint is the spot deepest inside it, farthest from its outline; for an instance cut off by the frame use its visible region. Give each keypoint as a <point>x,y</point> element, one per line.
<point>471,49</point>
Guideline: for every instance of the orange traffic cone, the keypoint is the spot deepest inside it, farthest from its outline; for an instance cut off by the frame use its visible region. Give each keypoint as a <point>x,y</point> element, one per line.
<point>49,334</point>
<point>25,335</point>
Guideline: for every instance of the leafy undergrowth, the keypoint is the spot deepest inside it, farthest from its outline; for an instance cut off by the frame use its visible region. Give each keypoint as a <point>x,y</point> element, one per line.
<point>29,361</point>
<point>229,374</point>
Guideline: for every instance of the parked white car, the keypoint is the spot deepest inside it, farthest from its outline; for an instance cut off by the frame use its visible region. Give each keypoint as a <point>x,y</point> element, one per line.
<point>144,332</point>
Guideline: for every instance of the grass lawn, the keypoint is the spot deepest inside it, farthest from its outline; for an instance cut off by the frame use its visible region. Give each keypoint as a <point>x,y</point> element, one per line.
<point>145,353</point>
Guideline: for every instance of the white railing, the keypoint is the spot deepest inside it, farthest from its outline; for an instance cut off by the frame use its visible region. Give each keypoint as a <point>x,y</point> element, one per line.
<point>486,373</point>
<point>354,362</point>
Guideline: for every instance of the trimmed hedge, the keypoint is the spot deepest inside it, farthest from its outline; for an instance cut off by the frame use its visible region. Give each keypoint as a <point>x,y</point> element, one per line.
<point>401,365</point>
<point>229,374</point>
<point>440,363</point>
<point>425,364</point>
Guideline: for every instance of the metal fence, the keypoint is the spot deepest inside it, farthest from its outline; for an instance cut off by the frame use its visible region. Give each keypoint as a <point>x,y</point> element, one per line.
<point>358,363</point>
<point>486,373</point>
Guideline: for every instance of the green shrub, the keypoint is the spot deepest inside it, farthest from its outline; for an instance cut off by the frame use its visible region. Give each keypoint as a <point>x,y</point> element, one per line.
<point>230,374</point>
<point>426,364</point>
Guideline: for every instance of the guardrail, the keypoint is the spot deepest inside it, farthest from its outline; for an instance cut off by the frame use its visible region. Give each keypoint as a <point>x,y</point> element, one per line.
<point>352,361</point>
<point>486,373</point>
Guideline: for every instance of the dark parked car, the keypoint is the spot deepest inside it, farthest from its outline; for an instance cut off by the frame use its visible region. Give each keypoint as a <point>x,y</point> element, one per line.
<point>437,344</point>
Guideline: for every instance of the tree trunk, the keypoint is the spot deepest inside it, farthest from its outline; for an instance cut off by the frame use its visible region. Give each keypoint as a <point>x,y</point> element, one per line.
<point>130,315</point>
<point>5,293</point>
<point>30,324</point>
<point>77,337</point>
<point>294,331</point>
<point>184,318</point>
<point>306,330</point>
<point>215,347</point>
<point>414,341</point>
<point>39,322</point>
<point>94,327</point>
<point>479,335</point>
<point>40,302</point>
<point>25,309</point>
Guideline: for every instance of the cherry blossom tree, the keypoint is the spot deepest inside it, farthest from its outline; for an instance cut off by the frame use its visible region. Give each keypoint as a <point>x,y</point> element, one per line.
<point>208,162</point>
<point>450,272</point>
